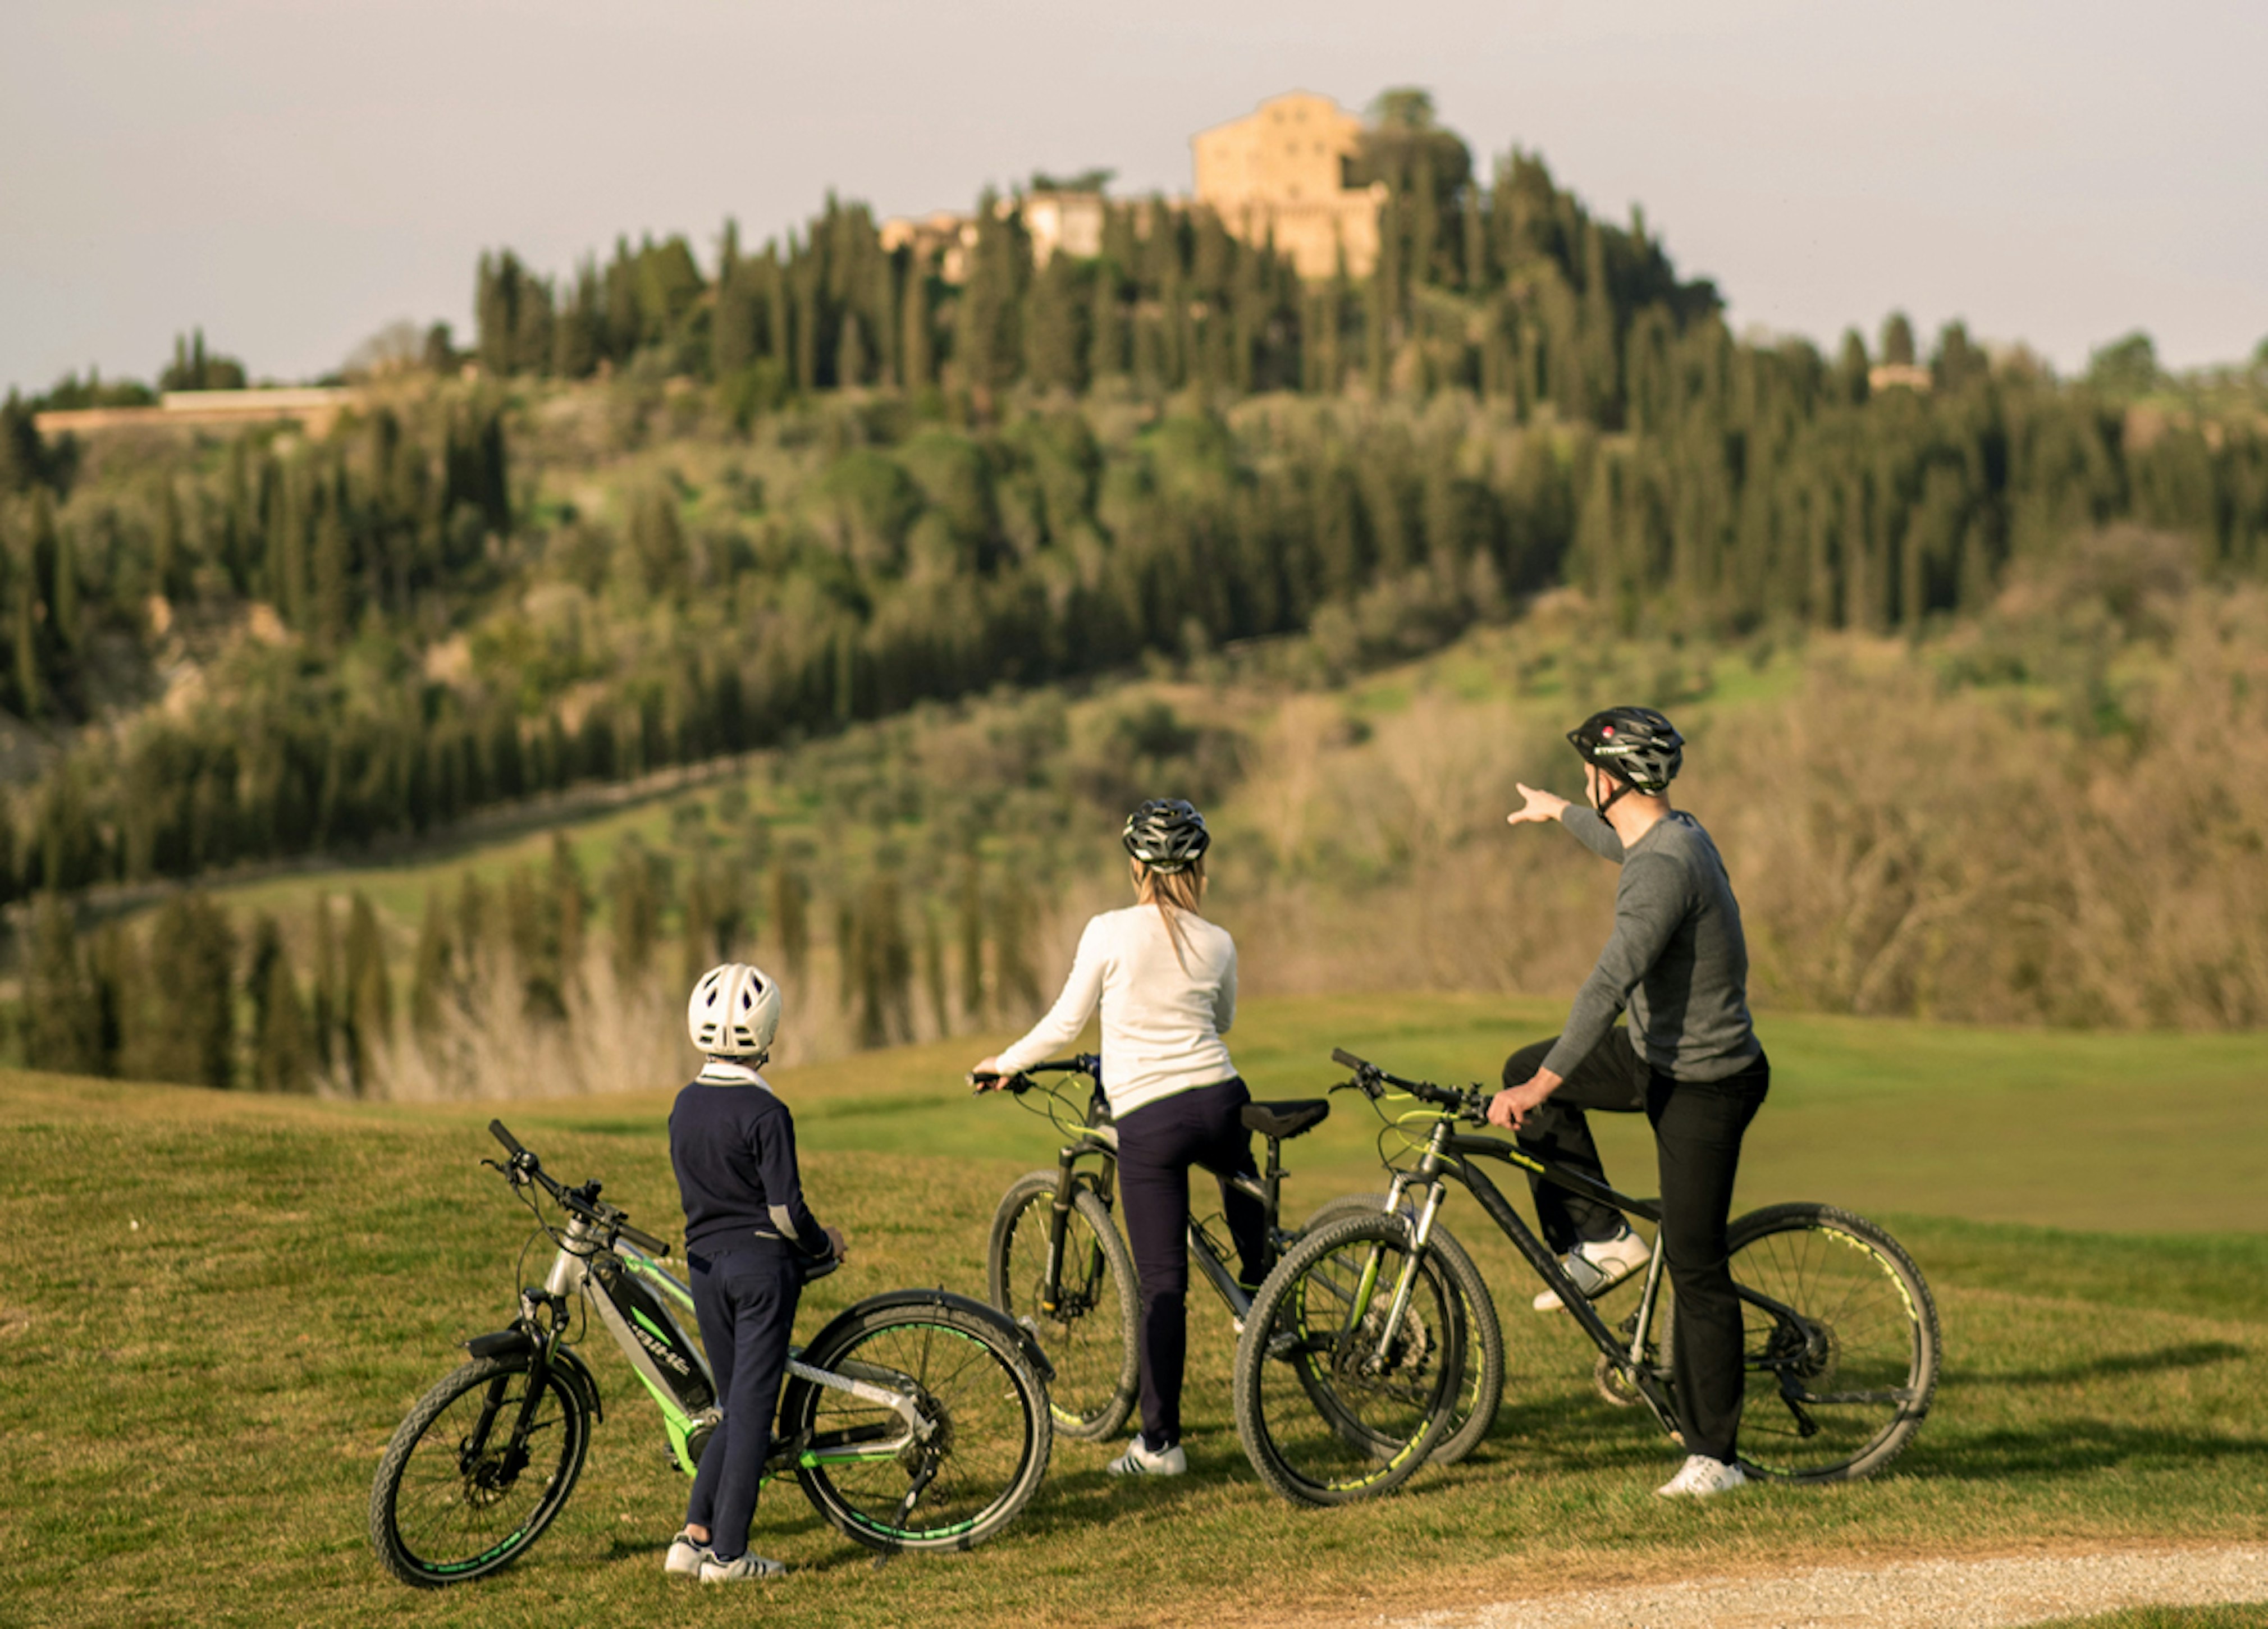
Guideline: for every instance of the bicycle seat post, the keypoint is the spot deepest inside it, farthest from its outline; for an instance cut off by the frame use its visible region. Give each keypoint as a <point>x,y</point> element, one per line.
<point>1271,1196</point>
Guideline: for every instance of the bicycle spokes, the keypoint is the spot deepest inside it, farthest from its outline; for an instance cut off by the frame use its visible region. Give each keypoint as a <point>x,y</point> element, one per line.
<point>1839,1342</point>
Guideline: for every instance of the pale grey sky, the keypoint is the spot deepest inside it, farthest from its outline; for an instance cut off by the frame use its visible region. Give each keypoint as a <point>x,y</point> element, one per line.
<point>294,175</point>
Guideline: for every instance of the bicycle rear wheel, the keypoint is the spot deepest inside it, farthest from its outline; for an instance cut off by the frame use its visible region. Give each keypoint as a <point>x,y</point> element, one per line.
<point>1338,1399</point>
<point>1087,1327</point>
<point>454,1498</point>
<point>984,1414</point>
<point>1472,1413</point>
<point>1840,1342</point>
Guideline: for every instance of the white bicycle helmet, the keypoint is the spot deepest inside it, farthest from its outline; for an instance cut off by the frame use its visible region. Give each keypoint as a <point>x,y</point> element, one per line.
<point>734,1011</point>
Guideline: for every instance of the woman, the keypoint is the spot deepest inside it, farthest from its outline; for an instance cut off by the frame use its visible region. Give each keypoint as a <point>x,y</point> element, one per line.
<point>1166,979</point>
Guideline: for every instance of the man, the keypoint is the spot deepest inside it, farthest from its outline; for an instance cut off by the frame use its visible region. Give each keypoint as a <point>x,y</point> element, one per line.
<point>1689,1061</point>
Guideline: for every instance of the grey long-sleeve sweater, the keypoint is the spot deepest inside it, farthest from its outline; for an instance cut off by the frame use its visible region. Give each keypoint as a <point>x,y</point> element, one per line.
<point>1677,958</point>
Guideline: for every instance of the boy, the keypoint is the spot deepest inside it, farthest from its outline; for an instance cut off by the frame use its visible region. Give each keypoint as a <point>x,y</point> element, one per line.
<point>750,1241</point>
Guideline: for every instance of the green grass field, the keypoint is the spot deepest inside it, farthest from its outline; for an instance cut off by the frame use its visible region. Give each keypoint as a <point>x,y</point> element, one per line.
<point>217,1308</point>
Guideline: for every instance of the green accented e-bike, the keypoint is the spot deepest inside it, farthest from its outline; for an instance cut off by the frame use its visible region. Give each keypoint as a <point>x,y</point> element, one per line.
<point>917,1419</point>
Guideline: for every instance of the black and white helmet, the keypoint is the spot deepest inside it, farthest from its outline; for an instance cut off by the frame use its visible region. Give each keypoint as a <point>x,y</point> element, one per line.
<point>1635,744</point>
<point>734,1011</point>
<point>1166,834</point>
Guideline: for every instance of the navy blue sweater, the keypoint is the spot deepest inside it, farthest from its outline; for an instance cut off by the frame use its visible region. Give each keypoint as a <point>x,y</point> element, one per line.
<point>733,1147</point>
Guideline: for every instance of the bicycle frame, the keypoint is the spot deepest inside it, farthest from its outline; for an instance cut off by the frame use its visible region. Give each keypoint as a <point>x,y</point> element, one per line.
<point>633,1295</point>
<point>1449,1157</point>
<point>1098,1141</point>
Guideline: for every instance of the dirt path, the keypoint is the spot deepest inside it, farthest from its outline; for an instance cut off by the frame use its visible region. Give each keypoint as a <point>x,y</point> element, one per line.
<point>1906,1595</point>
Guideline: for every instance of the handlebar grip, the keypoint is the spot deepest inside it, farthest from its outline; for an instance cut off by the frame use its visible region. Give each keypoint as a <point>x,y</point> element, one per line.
<point>645,1241</point>
<point>511,1143</point>
<point>1345,1059</point>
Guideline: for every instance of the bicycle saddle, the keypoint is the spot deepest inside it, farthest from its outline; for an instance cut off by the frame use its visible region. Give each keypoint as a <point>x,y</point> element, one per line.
<point>1279,1121</point>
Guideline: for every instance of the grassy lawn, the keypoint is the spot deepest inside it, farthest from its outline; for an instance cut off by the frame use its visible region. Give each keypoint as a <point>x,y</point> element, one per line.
<point>218,1306</point>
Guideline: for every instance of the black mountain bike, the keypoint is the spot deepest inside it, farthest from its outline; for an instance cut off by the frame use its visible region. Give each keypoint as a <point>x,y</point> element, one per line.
<point>1058,1265</point>
<point>915,1419</point>
<point>1840,1341</point>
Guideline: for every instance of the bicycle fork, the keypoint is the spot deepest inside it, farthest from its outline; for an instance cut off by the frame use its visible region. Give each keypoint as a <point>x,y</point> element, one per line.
<point>1067,1185</point>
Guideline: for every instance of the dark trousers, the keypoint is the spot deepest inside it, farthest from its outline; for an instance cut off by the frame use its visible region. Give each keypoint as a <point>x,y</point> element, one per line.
<point>746,1303</point>
<point>1157,1143</point>
<point>1697,1128</point>
<point>1612,1077</point>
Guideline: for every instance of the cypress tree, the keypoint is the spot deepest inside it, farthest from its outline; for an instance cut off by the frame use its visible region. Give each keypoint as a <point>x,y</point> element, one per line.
<point>23,455</point>
<point>734,329</point>
<point>65,1031</point>
<point>1107,354</point>
<point>790,917</point>
<point>933,976</point>
<point>283,1059</point>
<point>570,904</point>
<point>881,964</point>
<point>988,343</point>
<point>330,994</point>
<point>495,290</point>
<point>196,1000</point>
<point>1017,977</point>
<point>370,995</point>
<point>63,594</point>
<point>331,610</point>
<point>853,358</point>
<point>127,1042</point>
<point>916,344</point>
<point>1850,368</point>
<point>847,958</point>
<point>474,931</point>
<point>532,326</point>
<point>432,976</point>
<point>634,904</point>
<point>1055,327</point>
<point>1897,339</point>
<point>968,931</point>
<point>578,336</point>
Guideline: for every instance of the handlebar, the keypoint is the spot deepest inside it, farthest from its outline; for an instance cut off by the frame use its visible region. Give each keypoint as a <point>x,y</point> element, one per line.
<point>1468,1102</point>
<point>522,1166</point>
<point>1020,1080</point>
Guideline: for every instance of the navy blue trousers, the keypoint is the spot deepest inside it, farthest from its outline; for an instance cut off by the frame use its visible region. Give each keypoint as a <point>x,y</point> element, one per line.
<point>746,1303</point>
<point>1157,1143</point>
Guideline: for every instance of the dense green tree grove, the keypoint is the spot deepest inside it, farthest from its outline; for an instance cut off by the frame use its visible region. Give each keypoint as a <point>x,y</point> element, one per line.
<point>1033,473</point>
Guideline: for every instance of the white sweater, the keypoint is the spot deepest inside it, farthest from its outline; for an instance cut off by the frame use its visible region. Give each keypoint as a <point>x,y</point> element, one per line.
<point>1162,1022</point>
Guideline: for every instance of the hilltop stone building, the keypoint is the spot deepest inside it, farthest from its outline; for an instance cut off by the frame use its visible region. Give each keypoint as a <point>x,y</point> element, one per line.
<point>1283,170</point>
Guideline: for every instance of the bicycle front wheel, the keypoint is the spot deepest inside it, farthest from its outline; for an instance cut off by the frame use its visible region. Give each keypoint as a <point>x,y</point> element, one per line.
<point>1839,1341</point>
<point>1085,1320</point>
<point>1350,1364</point>
<point>463,1490</point>
<point>1472,1415</point>
<point>962,1473</point>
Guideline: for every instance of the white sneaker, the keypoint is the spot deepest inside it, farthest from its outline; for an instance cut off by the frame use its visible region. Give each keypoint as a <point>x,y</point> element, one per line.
<point>1597,1266</point>
<point>1138,1461</point>
<point>740,1569</point>
<point>686,1555</point>
<point>1702,1478</point>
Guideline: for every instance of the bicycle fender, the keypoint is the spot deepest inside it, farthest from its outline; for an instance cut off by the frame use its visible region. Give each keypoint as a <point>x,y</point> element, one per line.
<point>579,1375</point>
<point>503,1344</point>
<point>517,1339</point>
<point>1026,1342</point>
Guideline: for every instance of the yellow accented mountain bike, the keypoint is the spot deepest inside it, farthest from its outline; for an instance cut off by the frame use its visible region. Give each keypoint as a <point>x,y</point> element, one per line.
<point>1840,1344</point>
